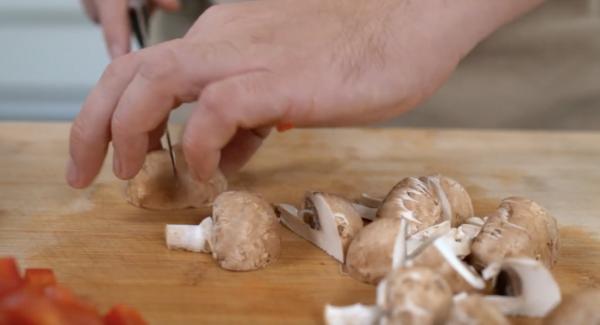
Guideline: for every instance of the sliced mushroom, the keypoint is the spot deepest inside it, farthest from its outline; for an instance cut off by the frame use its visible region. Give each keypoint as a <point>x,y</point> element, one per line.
<point>326,220</point>
<point>579,309</point>
<point>242,234</point>
<point>531,290</point>
<point>453,197</point>
<point>156,187</point>
<point>472,310</point>
<point>519,228</point>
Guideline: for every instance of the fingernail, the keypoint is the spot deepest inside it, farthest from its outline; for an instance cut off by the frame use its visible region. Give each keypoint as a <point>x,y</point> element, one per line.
<point>72,173</point>
<point>116,51</point>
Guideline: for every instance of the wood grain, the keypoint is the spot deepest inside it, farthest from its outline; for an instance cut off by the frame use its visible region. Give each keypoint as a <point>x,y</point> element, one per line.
<point>112,252</point>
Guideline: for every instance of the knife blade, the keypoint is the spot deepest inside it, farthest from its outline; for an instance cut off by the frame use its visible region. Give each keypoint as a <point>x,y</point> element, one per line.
<point>139,16</point>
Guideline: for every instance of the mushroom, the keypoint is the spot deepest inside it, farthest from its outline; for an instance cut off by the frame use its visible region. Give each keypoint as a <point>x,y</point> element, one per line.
<point>524,287</point>
<point>328,221</point>
<point>156,187</point>
<point>242,233</point>
<point>579,309</point>
<point>367,205</point>
<point>414,295</point>
<point>519,228</point>
<point>473,309</point>
<point>369,256</point>
<point>427,201</point>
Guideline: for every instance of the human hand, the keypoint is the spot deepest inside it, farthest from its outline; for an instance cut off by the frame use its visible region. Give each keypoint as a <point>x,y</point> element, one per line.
<point>254,64</point>
<point>113,16</point>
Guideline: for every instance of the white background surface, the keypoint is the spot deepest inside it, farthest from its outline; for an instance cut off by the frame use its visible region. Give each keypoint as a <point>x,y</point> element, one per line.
<point>50,56</point>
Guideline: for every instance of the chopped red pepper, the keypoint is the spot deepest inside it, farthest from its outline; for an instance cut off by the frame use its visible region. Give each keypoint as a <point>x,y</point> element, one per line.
<point>39,277</point>
<point>123,315</point>
<point>36,299</point>
<point>9,275</point>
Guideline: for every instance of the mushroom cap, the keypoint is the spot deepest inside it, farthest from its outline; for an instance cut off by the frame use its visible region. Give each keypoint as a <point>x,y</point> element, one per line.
<point>519,228</point>
<point>460,206</point>
<point>416,295</point>
<point>369,256</point>
<point>155,187</point>
<point>473,309</point>
<point>245,234</point>
<point>412,199</point>
<point>431,258</point>
<point>581,308</point>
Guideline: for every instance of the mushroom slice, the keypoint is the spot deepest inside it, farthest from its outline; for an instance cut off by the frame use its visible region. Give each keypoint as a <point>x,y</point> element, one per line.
<point>535,291</point>
<point>357,314</point>
<point>242,233</point>
<point>331,225</point>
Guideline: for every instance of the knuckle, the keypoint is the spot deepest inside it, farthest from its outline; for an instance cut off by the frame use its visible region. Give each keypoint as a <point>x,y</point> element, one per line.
<point>118,125</point>
<point>78,135</point>
<point>160,64</point>
<point>216,98</point>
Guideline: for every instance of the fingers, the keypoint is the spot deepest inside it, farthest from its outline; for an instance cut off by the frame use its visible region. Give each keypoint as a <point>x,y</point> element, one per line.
<point>172,73</point>
<point>89,6</point>
<point>248,101</point>
<point>90,132</point>
<point>241,148</point>
<point>115,26</point>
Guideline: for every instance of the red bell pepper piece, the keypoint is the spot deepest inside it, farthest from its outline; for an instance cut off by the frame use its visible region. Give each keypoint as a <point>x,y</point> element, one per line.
<point>39,277</point>
<point>9,275</point>
<point>123,315</point>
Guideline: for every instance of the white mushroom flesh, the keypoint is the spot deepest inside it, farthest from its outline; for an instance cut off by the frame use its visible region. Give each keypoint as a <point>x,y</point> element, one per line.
<point>537,291</point>
<point>357,314</point>
<point>193,238</point>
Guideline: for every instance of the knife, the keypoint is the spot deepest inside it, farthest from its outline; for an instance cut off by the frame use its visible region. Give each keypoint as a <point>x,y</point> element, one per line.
<point>139,15</point>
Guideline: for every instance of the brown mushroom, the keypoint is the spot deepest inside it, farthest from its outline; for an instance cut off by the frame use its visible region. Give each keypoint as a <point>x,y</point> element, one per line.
<point>519,228</point>
<point>415,295</point>
<point>156,187</point>
<point>242,234</point>
<point>582,308</point>
<point>427,201</point>
<point>473,309</point>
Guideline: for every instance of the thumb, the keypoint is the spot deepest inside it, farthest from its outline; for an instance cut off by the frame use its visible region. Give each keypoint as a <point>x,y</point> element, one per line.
<point>242,102</point>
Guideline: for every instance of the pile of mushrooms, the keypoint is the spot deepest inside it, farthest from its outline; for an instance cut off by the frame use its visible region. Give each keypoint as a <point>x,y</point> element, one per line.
<point>432,259</point>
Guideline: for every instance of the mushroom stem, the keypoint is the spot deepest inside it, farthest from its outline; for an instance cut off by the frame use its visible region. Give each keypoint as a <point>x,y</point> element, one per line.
<point>364,211</point>
<point>193,238</point>
<point>353,314</point>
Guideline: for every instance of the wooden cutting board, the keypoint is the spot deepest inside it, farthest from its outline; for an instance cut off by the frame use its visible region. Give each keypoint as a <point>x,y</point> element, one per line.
<point>110,252</point>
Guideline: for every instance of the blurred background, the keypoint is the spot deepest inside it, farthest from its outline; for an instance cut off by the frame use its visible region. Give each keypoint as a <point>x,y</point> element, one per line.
<point>542,72</point>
